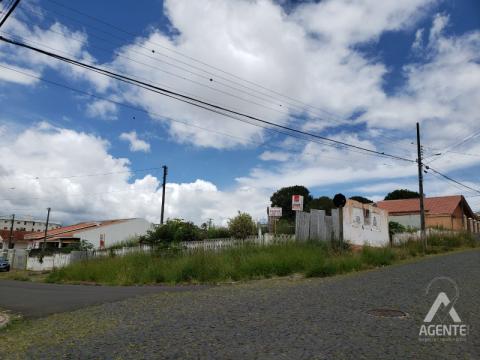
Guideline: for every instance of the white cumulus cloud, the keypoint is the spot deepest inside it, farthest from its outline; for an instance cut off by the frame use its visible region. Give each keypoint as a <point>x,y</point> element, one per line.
<point>136,144</point>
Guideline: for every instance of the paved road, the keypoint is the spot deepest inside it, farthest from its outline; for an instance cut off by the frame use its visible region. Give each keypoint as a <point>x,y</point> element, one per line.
<point>38,299</point>
<point>271,319</point>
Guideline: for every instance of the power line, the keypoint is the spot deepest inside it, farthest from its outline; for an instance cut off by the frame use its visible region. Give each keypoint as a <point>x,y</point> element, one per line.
<point>9,12</point>
<point>83,175</point>
<point>301,109</point>
<point>177,90</point>
<point>191,100</point>
<point>286,112</point>
<point>452,180</point>
<point>187,57</point>
<point>150,113</point>
<point>457,144</point>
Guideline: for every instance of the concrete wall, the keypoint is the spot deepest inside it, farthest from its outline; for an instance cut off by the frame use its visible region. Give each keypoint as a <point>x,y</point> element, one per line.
<point>409,221</point>
<point>364,224</point>
<point>115,233</point>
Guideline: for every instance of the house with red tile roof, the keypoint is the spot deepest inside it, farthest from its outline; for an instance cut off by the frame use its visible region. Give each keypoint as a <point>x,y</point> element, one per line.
<point>448,212</point>
<point>17,240</point>
<point>100,234</point>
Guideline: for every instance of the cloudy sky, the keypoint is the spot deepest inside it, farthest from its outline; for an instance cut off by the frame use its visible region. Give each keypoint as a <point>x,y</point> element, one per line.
<point>363,72</point>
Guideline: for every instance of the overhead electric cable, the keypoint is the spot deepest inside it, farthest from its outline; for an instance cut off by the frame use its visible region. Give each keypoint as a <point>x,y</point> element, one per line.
<point>452,180</point>
<point>301,109</point>
<point>191,100</point>
<point>9,12</point>
<point>150,113</point>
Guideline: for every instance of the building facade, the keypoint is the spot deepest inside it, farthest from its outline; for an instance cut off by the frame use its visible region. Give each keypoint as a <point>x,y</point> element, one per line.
<point>101,234</point>
<point>26,224</point>
<point>446,212</point>
<point>365,224</point>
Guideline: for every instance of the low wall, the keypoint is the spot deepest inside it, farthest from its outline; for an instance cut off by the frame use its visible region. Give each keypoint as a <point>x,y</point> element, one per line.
<point>401,238</point>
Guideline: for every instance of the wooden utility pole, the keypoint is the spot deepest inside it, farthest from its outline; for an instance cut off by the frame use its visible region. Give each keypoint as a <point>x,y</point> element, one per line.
<point>46,230</point>
<point>420,189</point>
<point>10,237</point>
<point>165,171</point>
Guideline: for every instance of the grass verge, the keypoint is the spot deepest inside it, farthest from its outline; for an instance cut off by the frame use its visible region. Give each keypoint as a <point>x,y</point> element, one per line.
<point>311,259</point>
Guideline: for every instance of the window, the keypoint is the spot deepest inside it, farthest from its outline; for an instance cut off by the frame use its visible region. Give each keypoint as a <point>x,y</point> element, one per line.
<point>366,216</point>
<point>24,223</point>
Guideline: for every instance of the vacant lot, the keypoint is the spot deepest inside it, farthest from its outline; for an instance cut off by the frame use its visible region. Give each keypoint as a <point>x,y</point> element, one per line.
<point>314,259</point>
<point>268,319</point>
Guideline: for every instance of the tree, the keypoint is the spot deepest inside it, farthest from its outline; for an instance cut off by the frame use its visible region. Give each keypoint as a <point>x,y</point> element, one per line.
<point>402,194</point>
<point>241,226</point>
<point>174,230</point>
<point>322,203</point>
<point>361,199</point>
<point>283,199</point>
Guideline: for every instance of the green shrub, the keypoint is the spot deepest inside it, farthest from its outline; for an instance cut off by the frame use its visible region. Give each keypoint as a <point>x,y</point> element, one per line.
<point>174,230</point>
<point>219,232</point>
<point>241,226</point>
<point>284,226</point>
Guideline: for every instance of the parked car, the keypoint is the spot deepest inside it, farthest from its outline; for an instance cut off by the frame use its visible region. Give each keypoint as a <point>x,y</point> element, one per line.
<point>4,265</point>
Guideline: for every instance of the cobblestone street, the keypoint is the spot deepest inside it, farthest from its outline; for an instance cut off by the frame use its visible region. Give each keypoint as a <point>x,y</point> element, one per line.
<point>269,319</point>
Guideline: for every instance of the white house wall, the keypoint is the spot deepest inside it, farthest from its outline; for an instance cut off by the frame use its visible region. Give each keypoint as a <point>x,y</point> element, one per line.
<point>115,233</point>
<point>409,221</point>
<point>360,231</point>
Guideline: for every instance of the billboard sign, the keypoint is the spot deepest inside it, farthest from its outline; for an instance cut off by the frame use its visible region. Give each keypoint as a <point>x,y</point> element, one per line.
<point>275,211</point>
<point>297,202</point>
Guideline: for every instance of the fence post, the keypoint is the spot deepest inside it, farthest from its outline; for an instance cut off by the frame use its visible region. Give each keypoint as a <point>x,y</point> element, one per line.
<point>336,224</point>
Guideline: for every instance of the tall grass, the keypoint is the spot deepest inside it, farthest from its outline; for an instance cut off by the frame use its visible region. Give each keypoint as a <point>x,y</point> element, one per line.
<point>243,263</point>
<point>246,262</point>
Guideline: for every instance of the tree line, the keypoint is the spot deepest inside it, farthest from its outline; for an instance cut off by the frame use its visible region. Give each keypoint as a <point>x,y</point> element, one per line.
<point>283,198</point>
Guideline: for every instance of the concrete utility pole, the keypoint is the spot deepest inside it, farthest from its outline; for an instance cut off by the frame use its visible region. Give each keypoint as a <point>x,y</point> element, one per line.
<point>420,189</point>
<point>46,229</point>
<point>165,171</point>
<point>10,238</point>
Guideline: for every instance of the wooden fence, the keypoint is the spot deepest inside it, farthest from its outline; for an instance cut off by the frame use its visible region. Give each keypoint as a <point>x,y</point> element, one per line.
<point>316,225</point>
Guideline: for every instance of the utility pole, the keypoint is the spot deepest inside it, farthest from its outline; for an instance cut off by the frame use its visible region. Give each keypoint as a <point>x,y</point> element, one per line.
<point>10,238</point>
<point>165,171</point>
<point>46,230</point>
<point>420,189</point>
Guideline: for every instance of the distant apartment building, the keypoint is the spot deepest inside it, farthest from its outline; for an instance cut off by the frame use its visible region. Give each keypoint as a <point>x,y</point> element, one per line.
<point>26,224</point>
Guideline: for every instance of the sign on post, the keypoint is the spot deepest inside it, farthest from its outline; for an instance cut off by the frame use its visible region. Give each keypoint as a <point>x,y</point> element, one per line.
<point>297,202</point>
<point>275,211</point>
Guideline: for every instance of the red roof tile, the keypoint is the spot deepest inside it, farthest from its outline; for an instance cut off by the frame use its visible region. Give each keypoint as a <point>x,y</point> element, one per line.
<point>433,206</point>
<point>69,231</point>
<point>17,235</point>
